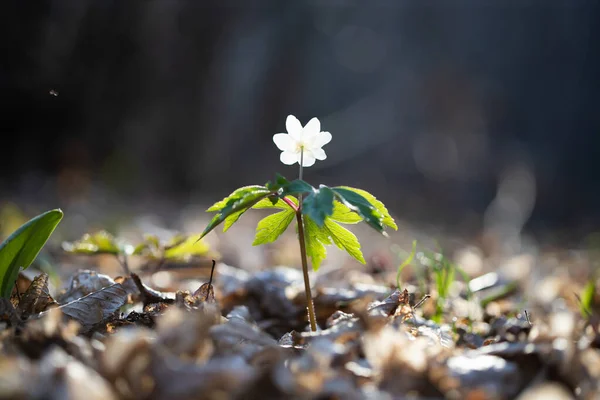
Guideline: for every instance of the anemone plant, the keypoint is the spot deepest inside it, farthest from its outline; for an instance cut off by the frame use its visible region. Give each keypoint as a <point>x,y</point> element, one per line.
<point>318,211</point>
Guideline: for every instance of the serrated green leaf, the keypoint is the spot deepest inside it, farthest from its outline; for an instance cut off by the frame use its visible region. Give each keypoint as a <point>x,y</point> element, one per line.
<point>240,200</point>
<point>387,218</point>
<point>318,205</point>
<point>238,193</point>
<point>361,206</point>
<point>188,247</point>
<point>343,214</point>
<point>100,242</point>
<point>316,240</point>
<point>232,219</point>
<point>266,203</point>
<point>344,239</point>
<point>272,226</point>
<point>22,247</point>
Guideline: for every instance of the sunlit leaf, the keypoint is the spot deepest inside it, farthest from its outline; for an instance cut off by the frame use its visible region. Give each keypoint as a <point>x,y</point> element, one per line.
<point>266,203</point>
<point>343,214</point>
<point>272,226</point>
<point>344,239</point>
<point>361,206</point>
<point>189,247</point>
<point>316,240</point>
<point>240,200</point>
<point>387,218</point>
<point>22,247</point>
<point>100,242</point>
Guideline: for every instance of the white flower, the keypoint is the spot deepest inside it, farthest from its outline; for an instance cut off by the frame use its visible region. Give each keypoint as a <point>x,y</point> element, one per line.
<point>308,139</point>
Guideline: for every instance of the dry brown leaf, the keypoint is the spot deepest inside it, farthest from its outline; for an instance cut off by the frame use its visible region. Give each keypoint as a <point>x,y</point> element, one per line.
<point>37,297</point>
<point>96,307</point>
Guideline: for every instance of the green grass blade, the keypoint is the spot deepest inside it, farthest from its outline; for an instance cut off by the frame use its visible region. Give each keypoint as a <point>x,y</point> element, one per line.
<point>406,262</point>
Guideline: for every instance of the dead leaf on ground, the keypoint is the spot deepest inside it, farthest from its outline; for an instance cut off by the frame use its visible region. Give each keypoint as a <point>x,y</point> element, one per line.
<point>96,307</point>
<point>37,298</point>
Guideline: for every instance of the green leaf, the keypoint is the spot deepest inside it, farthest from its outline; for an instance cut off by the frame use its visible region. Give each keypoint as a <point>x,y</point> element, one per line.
<point>343,214</point>
<point>316,240</point>
<point>297,186</point>
<point>272,226</point>
<point>344,239</point>
<point>361,206</point>
<point>22,247</point>
<point>236,194</point>
<point>587,298</point>
<point>266,203</point>
<point>319,204</point>
<point>232,219</point>
<point>387,218</point>
<point>187,248</point>
<point>100,242</point>
<point>240,200</point>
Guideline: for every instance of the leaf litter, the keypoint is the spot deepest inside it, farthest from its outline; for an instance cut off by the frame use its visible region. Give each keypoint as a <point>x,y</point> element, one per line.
<point>243,335</point>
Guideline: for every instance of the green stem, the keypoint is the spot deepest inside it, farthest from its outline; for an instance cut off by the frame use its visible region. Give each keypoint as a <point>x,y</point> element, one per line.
<point>309,302</point>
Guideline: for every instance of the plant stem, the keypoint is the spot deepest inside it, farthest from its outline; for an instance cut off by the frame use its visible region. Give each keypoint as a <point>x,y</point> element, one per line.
<point>309,302</point>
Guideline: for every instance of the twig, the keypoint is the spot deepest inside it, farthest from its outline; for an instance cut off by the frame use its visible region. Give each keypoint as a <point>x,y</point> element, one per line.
<point>210,280</point>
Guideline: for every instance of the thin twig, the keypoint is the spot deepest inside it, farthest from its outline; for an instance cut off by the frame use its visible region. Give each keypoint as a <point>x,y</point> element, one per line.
<point>210,280</point>
<point>422,301</point>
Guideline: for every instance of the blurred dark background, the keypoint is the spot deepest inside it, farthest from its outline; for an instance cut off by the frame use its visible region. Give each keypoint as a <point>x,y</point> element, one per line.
<point>465,114</point>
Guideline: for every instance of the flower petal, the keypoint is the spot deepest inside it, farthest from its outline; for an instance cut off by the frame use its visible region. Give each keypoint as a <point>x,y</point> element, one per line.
<point>284,142</point>
<point>308,160</point>
<point>294,127</point>
<point>319,154</point>
<point>321,139</point>
<point>289,158</point>
<point>312,128</point>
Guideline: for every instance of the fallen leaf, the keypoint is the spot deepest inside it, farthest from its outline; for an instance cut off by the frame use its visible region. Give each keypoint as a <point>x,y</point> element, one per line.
<point>37,297</point>
<point>96,307</point>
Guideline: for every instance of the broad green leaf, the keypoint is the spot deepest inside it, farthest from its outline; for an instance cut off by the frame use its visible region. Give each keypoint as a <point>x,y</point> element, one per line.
<point>315,240</point>
<point>387,218</point>
<point>318,205</point>
<point>272,226</point>
<point>100,242</point>
<point>22,247</point>
<point>189,247</point>
<point>344,239</point>
<point>240,200</point>
<point>361,206</point>
<point>343,214</point>
<point>266,203</point>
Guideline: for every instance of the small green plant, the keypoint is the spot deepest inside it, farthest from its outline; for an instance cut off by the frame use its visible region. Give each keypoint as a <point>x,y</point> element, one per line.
<point>586,299</point>
<point>179,248</point>
<point>444,274</point>
<point>435,268</point>
<point>318,211</point>
<point>21,248</point>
